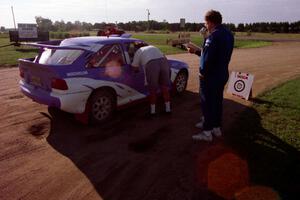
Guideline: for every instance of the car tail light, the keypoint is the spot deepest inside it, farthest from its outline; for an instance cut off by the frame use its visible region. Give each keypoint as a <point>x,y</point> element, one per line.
<point>59,84</point>
<point>21,73</point>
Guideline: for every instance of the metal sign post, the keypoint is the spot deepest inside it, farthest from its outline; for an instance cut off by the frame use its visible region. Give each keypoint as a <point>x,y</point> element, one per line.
<point>13,14</point>
<point>148,17</point>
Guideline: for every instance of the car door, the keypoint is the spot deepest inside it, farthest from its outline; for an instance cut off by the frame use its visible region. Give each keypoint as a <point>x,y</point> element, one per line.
<point>110,68</point>
<point>137,76</point>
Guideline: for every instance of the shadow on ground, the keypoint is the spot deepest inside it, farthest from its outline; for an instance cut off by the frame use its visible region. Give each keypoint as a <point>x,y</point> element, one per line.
<point>272,162</point>
<point>133,157</point>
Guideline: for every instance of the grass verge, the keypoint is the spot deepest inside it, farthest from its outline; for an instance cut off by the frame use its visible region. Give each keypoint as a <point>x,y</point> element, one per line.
<point>268,136</point>
<point>9,55</point>
<point>244,44</point>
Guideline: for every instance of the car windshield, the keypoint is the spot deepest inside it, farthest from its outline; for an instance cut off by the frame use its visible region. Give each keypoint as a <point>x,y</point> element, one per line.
<point>59,56</point>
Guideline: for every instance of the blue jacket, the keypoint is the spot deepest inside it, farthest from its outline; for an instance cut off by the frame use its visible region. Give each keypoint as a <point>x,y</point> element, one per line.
<point>217,50</point>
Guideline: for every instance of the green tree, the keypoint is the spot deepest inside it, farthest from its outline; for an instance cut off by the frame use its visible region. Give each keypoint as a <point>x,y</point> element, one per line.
<point>43,24</point>
<point>231,27</point>
<point>86,26</point>
<point>69,26</point>
<point>241,27</point>
<point>59,26</point>
<point>77,26</point>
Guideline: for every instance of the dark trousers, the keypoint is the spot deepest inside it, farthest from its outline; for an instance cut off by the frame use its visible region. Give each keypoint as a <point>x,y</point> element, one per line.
<point>211,96</point>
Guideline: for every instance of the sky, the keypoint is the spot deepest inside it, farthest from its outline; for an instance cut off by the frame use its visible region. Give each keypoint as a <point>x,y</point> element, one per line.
<point>233,11</point>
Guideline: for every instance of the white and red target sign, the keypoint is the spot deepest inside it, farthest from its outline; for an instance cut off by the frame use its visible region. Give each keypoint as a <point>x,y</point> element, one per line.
<point>240,84</point>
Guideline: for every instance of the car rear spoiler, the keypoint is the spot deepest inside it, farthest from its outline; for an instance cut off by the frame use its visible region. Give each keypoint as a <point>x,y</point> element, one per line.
<point>126,35</point>
<point>94,48</point>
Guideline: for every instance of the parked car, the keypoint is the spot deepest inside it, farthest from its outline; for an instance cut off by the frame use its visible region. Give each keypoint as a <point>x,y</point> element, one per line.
<point>89,75</point>
<point>110,30</point>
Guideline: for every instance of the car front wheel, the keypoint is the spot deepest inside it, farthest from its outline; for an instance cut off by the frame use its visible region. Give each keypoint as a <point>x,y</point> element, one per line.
<point>180,82</point>
<point>102,106</point>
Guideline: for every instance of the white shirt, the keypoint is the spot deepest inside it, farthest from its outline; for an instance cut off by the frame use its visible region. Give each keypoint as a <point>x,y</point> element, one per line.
<point>144,54</point>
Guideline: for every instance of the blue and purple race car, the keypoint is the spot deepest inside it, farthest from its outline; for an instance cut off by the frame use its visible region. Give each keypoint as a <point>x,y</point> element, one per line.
<point>90,76</point>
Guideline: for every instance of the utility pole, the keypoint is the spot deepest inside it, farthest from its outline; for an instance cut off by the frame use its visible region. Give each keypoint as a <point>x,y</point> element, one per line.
<point>148,14</point>
<point>12,10</point>
<point>106,19</point>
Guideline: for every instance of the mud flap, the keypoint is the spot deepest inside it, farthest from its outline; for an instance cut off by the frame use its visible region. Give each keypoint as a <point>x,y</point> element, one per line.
<point>83,118</point>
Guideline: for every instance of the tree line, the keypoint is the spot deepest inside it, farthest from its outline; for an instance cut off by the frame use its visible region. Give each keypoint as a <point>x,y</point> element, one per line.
<point>45,24</point>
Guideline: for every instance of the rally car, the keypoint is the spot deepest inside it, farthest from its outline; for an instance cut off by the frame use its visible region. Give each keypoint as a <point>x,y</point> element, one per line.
<point>91,76</point>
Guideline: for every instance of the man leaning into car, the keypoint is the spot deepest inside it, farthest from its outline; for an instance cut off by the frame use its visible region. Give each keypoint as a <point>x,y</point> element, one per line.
<point>157,72</point>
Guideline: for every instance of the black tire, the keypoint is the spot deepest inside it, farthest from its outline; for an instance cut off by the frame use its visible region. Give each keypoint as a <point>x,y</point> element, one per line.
<point>102,106</point>
<point>57,113</point>
<point>180,82</point>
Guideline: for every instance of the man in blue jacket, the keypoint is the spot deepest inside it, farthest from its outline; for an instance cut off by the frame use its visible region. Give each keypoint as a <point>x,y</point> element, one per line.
<point>215,58</point>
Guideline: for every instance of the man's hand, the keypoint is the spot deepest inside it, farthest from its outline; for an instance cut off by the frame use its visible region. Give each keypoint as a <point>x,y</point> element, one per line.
<point>191,50</point>
<point>135,69</point>
<point>201,76</point>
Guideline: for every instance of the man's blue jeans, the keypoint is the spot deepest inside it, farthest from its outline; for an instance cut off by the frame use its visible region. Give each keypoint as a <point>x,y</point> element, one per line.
<point>211,96</point>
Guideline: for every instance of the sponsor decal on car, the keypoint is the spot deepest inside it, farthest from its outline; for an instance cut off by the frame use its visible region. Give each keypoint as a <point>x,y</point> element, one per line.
<point>77,73</point>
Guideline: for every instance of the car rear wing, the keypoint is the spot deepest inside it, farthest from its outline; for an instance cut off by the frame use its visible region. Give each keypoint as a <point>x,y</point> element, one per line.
<point>124,35</point>
<point>93,48</point>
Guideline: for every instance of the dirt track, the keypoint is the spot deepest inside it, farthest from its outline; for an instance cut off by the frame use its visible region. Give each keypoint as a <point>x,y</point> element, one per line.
<point>47,155</point>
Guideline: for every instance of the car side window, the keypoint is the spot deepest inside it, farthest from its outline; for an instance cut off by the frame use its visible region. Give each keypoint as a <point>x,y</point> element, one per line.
<point>113,58</point>
<point>107,56</point>
<point>98,57</point>
<point>132,47</point>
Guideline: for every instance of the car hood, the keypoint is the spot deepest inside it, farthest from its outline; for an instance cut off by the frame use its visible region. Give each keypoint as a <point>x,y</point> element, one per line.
<point>177,64</point>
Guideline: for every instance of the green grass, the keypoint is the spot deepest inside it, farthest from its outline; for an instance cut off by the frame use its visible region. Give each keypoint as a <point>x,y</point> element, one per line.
<point>10,55</point>
<point>4,35</point>
<point>268,35</point>
<point>244,44</point>
<point>280,112</point>
<point>267,135</point>
<point>167,49</point>
<point>159,40</point>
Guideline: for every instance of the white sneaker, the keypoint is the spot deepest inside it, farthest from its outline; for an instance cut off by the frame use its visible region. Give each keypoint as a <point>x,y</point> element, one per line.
<point>204,135</point>
<point>217,132</point>
<point>200,124</point>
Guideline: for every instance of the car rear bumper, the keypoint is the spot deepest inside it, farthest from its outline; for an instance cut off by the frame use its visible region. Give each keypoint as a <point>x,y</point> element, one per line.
<point>72,103</point>
<point>39,95</point>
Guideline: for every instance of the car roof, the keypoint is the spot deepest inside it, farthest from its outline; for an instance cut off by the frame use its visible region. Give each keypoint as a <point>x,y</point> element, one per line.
<point>91,43</point>
<point>94,40</point>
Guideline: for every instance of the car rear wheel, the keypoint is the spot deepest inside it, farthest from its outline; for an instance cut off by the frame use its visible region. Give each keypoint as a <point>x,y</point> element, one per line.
<point>102,106</point>
<point>180,82</point>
